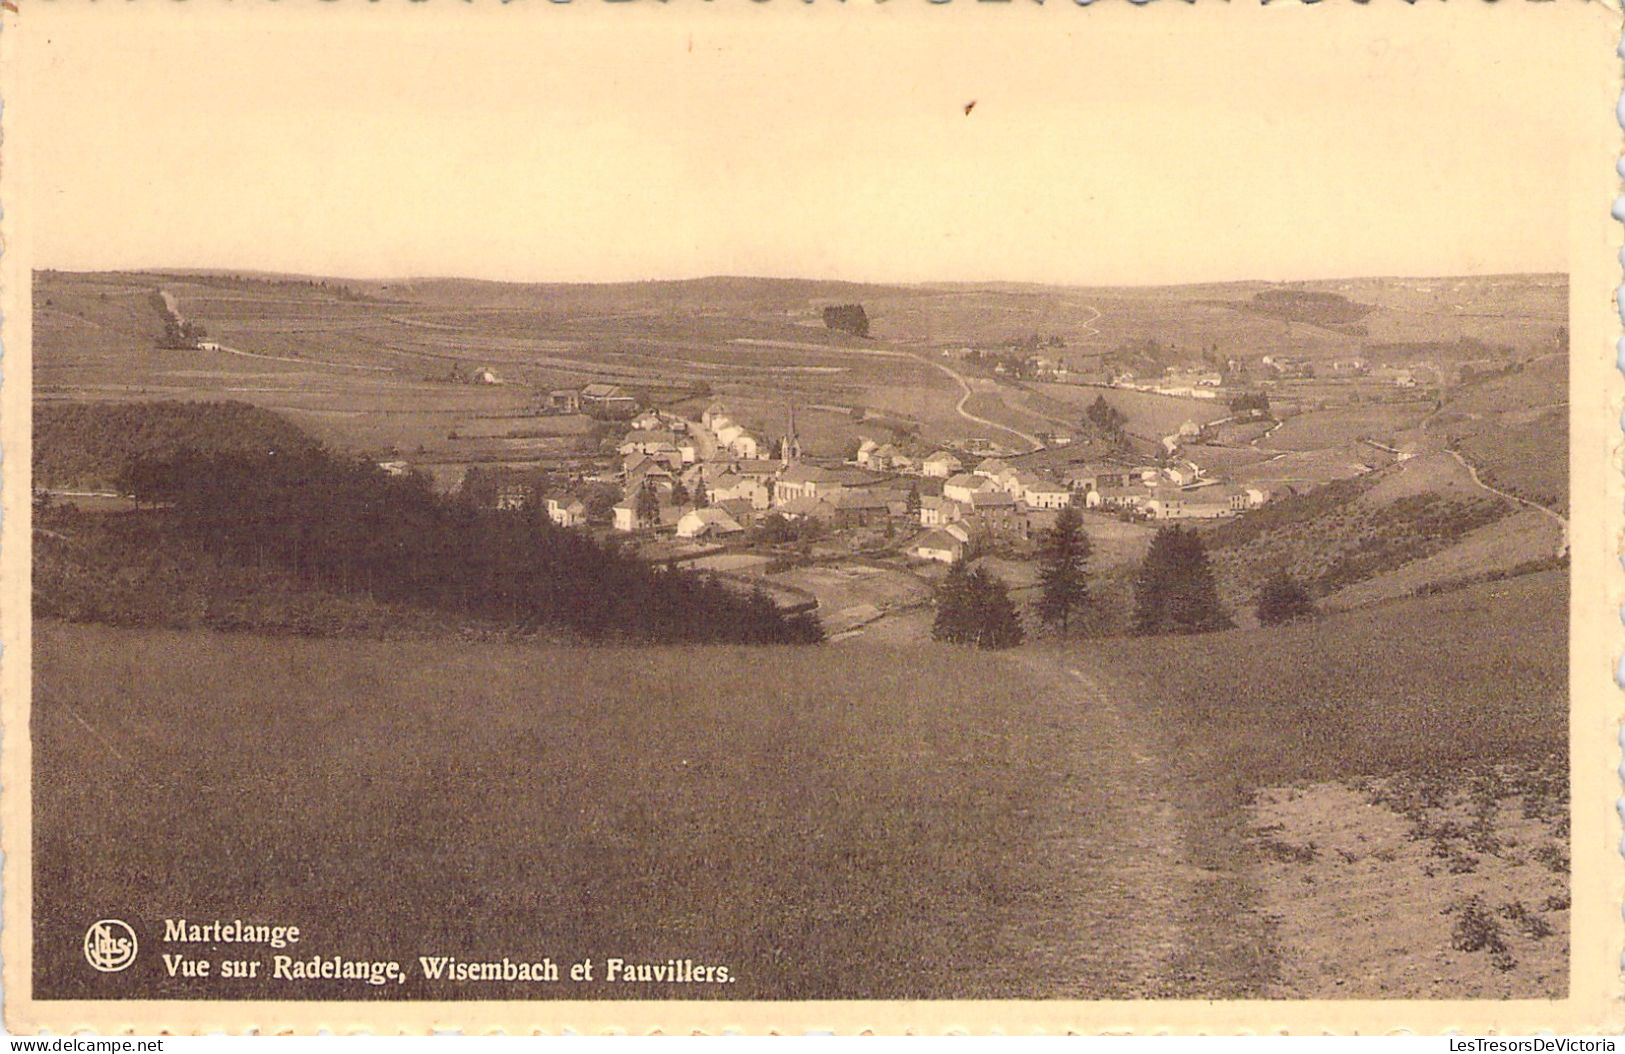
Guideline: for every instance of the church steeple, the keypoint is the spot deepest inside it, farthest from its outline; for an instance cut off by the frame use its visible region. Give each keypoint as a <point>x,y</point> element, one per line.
<point>790,446</point>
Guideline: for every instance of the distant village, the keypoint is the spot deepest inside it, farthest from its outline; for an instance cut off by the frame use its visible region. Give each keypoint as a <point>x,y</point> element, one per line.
<point>712,480</point>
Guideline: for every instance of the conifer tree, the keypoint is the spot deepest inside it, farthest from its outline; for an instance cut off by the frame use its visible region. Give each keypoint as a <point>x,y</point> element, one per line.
<point>1174,591</point>
<point>1062,562</point>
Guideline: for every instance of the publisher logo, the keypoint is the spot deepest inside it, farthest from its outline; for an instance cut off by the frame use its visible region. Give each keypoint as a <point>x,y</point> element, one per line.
<point>109,945</point>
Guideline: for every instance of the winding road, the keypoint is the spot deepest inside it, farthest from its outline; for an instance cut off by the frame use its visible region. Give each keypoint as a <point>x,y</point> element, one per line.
<point>959,407</point>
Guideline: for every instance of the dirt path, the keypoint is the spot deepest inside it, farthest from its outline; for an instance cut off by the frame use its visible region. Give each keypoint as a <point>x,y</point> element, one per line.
<point>959,407</point>
<point>1562,523</point>
<point>1117,850</point>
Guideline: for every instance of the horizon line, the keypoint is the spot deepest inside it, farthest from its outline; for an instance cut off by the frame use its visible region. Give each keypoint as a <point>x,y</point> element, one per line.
<point>229,272</point>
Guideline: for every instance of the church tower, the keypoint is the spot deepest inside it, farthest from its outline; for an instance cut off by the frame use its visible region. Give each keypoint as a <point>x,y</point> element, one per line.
<point>790,446</point>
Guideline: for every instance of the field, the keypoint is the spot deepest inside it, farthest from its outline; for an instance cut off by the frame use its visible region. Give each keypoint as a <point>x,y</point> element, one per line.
<point>372,367</point>
<point>863,820</point>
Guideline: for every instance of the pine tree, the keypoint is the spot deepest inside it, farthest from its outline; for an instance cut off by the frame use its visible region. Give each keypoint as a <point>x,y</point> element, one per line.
<point>648,504</point>
<point>1174,591</point>
<point>1062,561</point>
<point>997,623</point>
<point>702,497</point>
<point>913,501</point>
<point>974,607</point>
<point>679,493</point>
<point>954,603</point>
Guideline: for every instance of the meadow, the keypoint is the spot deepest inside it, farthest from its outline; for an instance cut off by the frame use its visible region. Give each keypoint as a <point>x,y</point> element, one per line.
<point>850,821</point>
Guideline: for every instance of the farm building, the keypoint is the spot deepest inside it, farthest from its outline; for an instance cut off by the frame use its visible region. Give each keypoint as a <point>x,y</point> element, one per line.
<point>607,397</point>
<point>564,400</point>
<point>936,545</point>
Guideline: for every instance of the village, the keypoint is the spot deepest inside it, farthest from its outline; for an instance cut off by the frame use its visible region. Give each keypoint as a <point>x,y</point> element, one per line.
<point>706,491</point>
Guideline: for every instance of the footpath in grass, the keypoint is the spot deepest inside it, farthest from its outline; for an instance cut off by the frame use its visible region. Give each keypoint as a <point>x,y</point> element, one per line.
<point>1371,780</point>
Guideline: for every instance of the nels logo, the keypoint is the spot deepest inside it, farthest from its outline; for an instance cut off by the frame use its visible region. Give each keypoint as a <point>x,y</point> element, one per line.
<point>110,945</point>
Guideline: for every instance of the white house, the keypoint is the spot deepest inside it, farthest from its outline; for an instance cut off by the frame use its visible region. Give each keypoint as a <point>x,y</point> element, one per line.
<point>567,511</point>
<point>1045,495</point>
<point>961,487</point>
<point>626,517</point>
<point>941,464</point>
<point>939,512</point>
<point>744,446</point>
<point>937,545</point>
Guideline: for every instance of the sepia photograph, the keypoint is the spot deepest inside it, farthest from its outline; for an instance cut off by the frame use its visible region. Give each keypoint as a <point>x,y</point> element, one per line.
<point>777,506</point>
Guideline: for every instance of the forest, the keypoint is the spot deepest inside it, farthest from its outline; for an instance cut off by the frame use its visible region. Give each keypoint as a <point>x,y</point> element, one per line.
<point>344,527</point>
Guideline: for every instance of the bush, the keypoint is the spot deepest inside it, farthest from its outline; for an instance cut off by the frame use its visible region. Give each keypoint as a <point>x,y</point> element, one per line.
<point>1283,599</point>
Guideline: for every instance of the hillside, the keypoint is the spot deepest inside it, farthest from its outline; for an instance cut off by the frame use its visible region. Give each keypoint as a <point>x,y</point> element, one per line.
<point>91,447</point>
<point>926,820</point>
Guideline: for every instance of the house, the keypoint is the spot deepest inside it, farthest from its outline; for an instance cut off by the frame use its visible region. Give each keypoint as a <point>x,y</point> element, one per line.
<point>648,419</point>
<point>887,458</point>
<point>567,511</point>
<point>564,401</point>
<point>743,512</point>
<point>626,516</point>
<point>736,487</point>
<point>991,467</point>
<point>609,397</point>
<point>1245,498</point>
<point>860,507</point>
<point>483,375</point>
<point>688,451</point>
<point>709,522</point>
<point>995,512</point>
<point>711,413</point>
<point>1130,496</point>
<point>804,508</point>
<point>865,448</point>
<point>941,464</point>
<point>1197,503</point>
<point>651,473</point>
<point>961,487</point>
<point>395,468</point>
<point>936,545</point>
<point>650,441</point>
<point>744,445</point>
<point>1190,430</point>
<point>761,469</point>
<point>1182,473</point>
<point>937,511</point>
<point>1042,494</point>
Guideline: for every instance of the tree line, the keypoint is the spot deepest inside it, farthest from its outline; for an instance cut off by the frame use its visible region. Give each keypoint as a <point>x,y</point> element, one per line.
<point>349,527</point>
<point>1174,591</point>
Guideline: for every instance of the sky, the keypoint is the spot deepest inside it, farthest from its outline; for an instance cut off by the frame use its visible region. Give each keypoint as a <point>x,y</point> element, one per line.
<point>592,142</point>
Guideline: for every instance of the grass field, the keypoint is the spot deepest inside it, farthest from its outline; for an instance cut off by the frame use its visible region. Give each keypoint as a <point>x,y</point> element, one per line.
<point>860,820</point>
